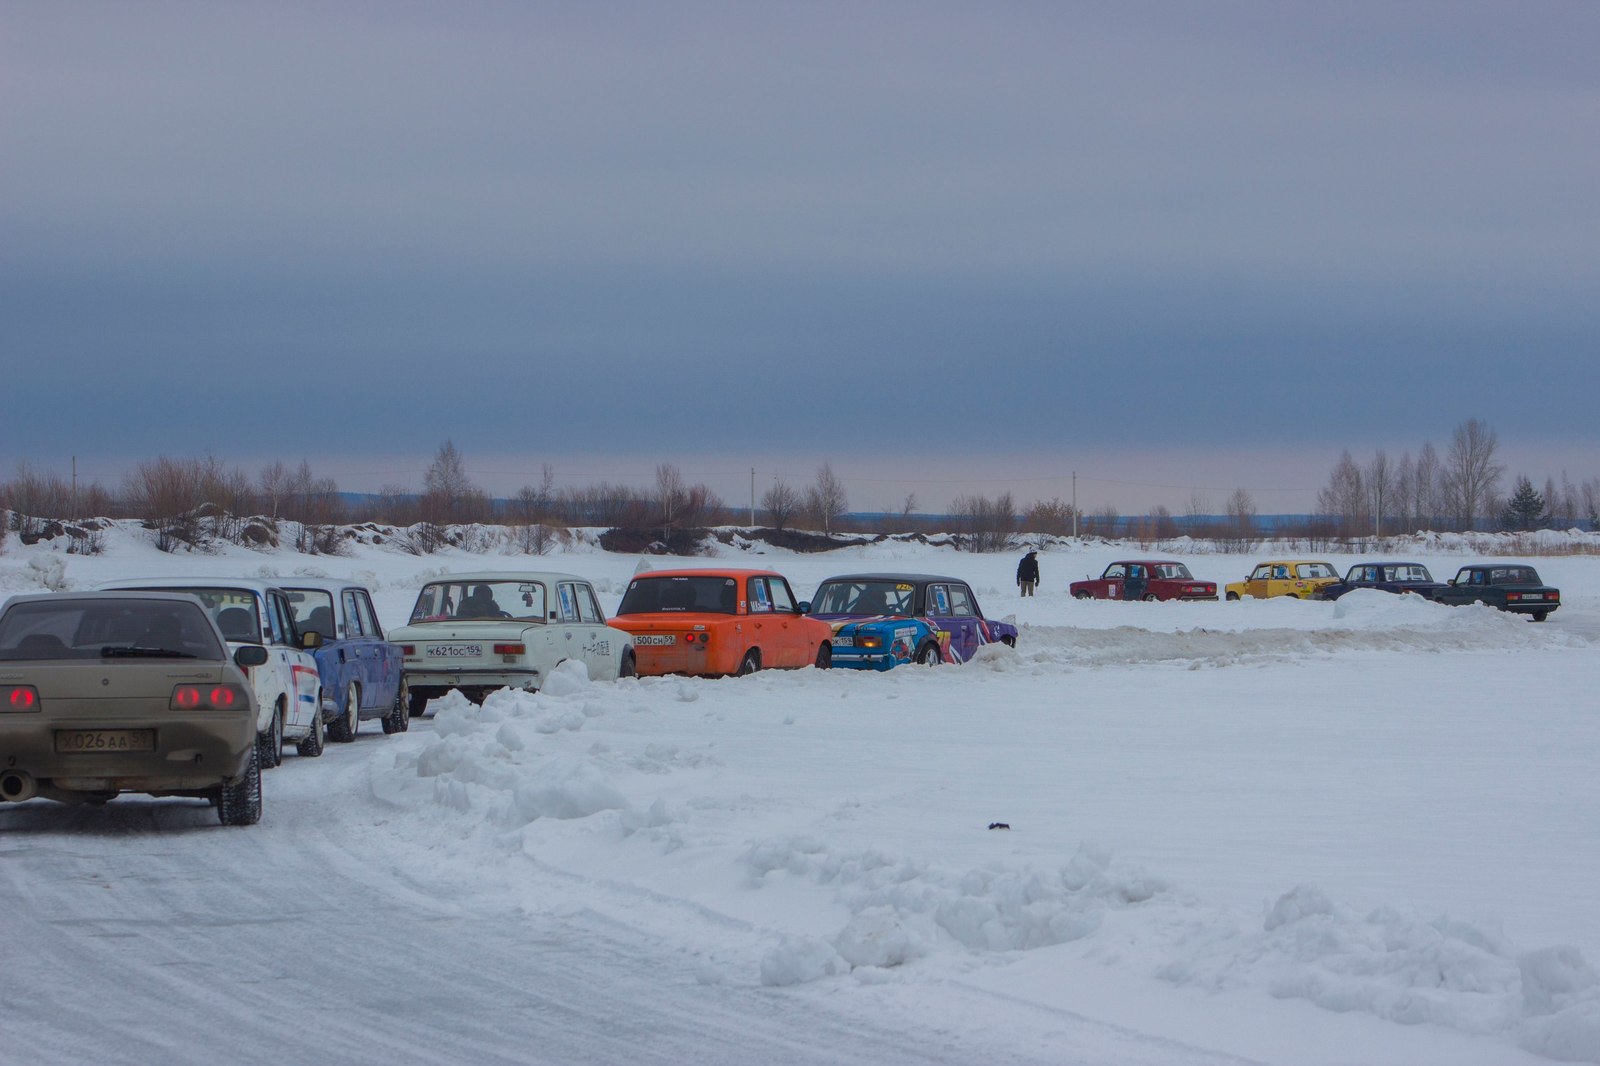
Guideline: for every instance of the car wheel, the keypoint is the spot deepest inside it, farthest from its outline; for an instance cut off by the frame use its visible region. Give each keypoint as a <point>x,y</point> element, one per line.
<point>1082,596</point>
<point>824,657</point>
<point>750,663</point>
<point>1540,616</point>
<point>416,703</point>
<point>343,728</point>
<point>630,665</point>
<point>1009,641</point>
<point>240,802</point>
<point>1232,597</point>
<point>928,655</point>
<point>399,717</point>
<point>311,746</point>
<point>1150,597</point>
<point>269,745</point>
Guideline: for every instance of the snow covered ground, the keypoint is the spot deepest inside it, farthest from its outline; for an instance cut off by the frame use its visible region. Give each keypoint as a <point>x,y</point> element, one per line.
<point>1277,832</point>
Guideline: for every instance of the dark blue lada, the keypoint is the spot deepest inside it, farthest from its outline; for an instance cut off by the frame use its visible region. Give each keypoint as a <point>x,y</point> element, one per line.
<point>1385,577</point>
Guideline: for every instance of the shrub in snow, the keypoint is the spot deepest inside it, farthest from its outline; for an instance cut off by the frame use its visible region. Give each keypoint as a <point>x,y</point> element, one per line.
<point>800,960</point>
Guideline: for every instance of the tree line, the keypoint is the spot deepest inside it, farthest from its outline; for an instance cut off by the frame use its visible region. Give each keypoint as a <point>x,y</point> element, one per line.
<point>187,502</point>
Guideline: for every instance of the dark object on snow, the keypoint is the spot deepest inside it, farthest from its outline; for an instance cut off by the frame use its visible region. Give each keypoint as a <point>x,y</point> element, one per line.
<point>1028,568</point>
<point>999,825</point>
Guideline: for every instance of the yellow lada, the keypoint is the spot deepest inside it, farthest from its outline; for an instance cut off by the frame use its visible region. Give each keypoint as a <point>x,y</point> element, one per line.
<point>1284,577</point>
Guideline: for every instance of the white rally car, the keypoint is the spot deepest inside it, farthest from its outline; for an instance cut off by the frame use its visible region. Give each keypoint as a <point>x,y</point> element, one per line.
<point>504,629</point>
<point>286,685</point>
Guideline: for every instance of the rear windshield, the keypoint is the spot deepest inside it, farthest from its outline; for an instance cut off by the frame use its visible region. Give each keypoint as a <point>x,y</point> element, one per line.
<point>447,601</point>
<point>1513,575</point>
<point>864,598</point>
<point>106,629</point>
<point>1313,570</point>
<point>1172,572</point>
<point>235,611</point>
<point>700,595</point>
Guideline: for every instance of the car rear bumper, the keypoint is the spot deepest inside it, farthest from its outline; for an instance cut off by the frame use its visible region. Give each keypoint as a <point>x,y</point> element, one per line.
<point>190,753</point>
<point>470,678</point>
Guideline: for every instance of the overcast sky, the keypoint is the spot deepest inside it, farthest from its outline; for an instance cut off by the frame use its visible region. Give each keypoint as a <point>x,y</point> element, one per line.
<point>938,245</point>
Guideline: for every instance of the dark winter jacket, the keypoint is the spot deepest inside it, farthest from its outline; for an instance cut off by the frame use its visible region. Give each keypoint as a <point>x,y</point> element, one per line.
<point>1028,569</point>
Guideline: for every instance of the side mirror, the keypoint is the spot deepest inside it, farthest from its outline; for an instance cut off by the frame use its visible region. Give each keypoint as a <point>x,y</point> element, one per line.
<point>250,655</point>
<point>1452,581</point>
<point>310,640</point>
<point>805,607</point>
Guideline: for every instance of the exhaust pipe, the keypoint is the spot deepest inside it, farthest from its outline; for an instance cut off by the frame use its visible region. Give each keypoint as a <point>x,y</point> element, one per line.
<point>17,786</point>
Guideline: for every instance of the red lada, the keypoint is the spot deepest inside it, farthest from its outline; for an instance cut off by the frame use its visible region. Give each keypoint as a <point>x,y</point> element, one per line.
<point>713,622</point>
<point>1145,579</point>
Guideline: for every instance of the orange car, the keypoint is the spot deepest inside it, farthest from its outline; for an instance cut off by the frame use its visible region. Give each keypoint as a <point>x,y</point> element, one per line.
<point>712,622</point>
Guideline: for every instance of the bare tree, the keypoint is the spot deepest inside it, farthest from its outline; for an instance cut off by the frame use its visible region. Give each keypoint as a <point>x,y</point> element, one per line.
<point>1241,511</point>
<point>273,484</point>
<point>1425,506</point>
<point>448,496</point>
<point>1344,499</point>
<point>1471,476</point>
<point>825,500</point>
<point>985,525</point>
<point>168,494</point>
<point>1051,517</point>
<point>671,495</point>
<point>1380,486</point>
<point>781,503</point>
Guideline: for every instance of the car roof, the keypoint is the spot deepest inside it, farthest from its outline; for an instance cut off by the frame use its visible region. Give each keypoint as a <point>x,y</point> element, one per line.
<point>326,584</point>
<point>914,579</point>
<point>1391,562</point>
<point>1146,562</point>
<point>108,595</point>
<point>466,576</point>
<point>707,571</point>
<point>248,583</point>
<point>1292,562</point>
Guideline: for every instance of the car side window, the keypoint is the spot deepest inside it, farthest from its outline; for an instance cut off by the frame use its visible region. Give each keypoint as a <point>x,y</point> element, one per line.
<point>1116,570</point>
<point>760,596</point>
<point>588,606</point>
<point>567,601</point>
<point>278,620</point>
<point>939,600</point>
<point>782,598</point>
<point>1262,573</point>
<point>961,602</point>
<point>369,617</point>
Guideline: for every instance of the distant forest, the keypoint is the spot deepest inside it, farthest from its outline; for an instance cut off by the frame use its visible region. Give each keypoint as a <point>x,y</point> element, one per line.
<point>188,500</point>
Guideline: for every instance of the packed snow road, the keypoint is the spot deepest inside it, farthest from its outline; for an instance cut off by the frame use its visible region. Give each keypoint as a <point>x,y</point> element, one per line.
<point>142,932</point>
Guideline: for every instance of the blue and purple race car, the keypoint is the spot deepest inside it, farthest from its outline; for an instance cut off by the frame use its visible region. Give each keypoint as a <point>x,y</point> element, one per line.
<point>883,620</point>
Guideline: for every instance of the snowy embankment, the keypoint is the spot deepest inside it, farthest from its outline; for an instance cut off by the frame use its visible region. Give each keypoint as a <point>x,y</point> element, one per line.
<point>1295,832</point>
<point>845,819</point>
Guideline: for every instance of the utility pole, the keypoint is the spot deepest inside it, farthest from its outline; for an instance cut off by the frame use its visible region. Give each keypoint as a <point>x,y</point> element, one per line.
<point>75,514</point>
<point>1074,504</point>
<point>752,497</point>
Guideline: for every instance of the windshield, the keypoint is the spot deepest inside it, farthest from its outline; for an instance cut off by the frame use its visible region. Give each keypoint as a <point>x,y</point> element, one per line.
<point>1172,572</point>
<point>864,598</point>
<point>95,629</point>
<point>701,595</point>
<point>450,601</point>
<point>313,610</point>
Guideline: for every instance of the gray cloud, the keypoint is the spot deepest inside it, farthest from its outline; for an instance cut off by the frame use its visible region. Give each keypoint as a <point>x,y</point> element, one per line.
<point>1034,226</point>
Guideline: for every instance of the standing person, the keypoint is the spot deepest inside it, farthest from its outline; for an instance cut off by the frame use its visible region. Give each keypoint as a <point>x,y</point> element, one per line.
<point>1028,573</point>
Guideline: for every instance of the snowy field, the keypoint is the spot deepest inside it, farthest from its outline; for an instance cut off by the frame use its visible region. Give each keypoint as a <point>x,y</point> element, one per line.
<point>1257,832</point>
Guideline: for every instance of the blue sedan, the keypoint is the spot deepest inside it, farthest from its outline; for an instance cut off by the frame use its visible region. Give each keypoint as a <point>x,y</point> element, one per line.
<point>883,620</point>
